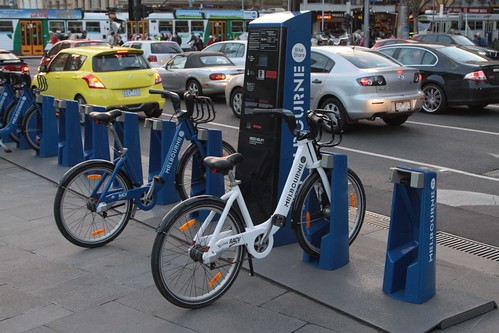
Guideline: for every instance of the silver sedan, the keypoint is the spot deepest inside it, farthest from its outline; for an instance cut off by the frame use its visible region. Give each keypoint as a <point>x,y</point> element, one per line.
<point>357,82</point>
<point>201,73</point>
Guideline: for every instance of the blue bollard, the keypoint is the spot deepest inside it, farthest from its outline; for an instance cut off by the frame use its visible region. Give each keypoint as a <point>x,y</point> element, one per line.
<point>162,132</point>
<point>334,243</point>
<point>214,181</point>
<point>70,147</point>
<point>95,145</point>
<point>48,141</point>
<point>410,267</point>
<point>127,127</point>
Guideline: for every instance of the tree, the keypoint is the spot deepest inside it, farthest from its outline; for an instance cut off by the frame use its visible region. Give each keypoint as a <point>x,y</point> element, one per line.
<point>416,6</point>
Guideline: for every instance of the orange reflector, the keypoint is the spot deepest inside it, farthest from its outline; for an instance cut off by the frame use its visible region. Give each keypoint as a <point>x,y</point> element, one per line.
<point>308,219</point>
<point>94,176</point>
<point>98,232</point>
<point>215,279</point>
<point>353,202</point>
<point>187,225</point>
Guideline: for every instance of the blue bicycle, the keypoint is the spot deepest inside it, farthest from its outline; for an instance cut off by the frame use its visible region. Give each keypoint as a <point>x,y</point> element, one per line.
<point>96,198</point>
<point>22,115</point>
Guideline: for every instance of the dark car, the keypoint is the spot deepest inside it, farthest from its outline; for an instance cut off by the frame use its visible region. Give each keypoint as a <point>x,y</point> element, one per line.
<point>10,62</point>
<point>452,39</point>
<point>451,74</point>
<point>66,44</point>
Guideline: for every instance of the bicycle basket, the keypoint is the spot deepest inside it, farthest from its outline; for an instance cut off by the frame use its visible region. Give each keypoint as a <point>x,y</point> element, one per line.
<point>204,110</point>
<point>328,134</point>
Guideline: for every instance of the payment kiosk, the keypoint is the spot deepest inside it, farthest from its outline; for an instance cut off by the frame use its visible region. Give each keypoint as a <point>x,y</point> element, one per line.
<point>277,75</point>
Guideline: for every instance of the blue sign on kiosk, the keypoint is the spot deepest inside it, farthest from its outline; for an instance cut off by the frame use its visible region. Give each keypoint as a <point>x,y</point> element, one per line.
<point>410,268</point>
<point>277,75</point>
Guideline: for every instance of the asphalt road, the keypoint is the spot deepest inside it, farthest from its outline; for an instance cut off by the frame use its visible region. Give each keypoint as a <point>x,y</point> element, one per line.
<point>460,145</point>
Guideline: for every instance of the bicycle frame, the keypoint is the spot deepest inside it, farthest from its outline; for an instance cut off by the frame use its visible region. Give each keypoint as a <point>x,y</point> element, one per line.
<point>184,131</point>
<point>305,158</point>
<point>8,97</point>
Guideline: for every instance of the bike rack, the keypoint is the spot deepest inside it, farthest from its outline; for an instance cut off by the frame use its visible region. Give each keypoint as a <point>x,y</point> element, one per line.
<point>334,241</point>
<point>48,141</point>
<point>214,181</point>
<point>162,132</point>
<point>70,147</point>
<point>127,127</point>
<point>410,267</point>
<point>95,145</point>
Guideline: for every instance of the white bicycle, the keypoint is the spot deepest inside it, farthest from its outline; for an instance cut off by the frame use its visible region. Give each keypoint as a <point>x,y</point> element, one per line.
<point>201,243</point>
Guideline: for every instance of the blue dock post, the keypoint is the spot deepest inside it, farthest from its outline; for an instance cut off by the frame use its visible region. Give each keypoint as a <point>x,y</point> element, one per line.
<point>214,181</point>
<point>96,143</point>
<point>334,242</point>
<point>70,141</point>
<point>127,127</point>
<point>162,133</point>
<point>410,267</point>
<point>48,141</point>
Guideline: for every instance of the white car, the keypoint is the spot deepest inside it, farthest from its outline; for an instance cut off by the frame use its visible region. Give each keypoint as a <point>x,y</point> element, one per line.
<point>157,52</point>
<point>357,82</point>
<point>235,50</point>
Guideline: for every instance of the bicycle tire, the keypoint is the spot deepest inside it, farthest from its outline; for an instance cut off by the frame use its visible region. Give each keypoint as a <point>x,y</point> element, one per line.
<point>182,279</point>
<point>32,127</point>
<point>74,210</point>
<point>185,175</point>
<point>311,217</point>
<point>6,118</point>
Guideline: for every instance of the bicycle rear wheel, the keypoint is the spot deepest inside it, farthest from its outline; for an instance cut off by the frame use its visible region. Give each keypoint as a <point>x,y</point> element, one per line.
<point>312,211</point>
<point>176,261</point>
<point>75,205</point>
<point>190,179</point>
<point>32,127</point>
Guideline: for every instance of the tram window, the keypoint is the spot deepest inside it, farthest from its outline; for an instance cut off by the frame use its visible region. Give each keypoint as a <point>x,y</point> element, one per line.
<point>166,26</point>
<point>6,26</point>
<point>57,26</point>
<point>75,27</point>
<point>197,26</point>
<point>93,26</point>
<point>181,26</point>
<point>237,26</point>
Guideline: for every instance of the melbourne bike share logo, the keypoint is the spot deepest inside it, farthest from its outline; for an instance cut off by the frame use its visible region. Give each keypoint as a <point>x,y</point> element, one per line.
<point>299,53</point>
<point>433,213</point>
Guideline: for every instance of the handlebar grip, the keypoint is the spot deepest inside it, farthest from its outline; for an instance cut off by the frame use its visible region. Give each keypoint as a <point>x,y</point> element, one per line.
<point>189,99</point>
<point>173,95</point>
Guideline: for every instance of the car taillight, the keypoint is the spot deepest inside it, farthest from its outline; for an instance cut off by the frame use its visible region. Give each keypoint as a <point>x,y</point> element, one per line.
<point>418,77</point>
<point>217,76</point>
<point>476,76</point>
<point>376,80</point>
<point>157,78</point>
<point>152,58</point>
<point>93,82</point>
<point>25,68</point>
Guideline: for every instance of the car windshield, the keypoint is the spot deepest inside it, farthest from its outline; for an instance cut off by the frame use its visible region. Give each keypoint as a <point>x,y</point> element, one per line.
<point>460,55</point>
<point>159,48</point>
<point>119,62</point>
<point>363,59</point>
<point>463,40</point>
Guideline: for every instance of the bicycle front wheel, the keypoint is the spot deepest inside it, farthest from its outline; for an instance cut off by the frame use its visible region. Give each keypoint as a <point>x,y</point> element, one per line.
<point>312,211</point>
<point>190,179</point>
<point>176,261</point>
<point>76,201</point>
<point>32,127</point>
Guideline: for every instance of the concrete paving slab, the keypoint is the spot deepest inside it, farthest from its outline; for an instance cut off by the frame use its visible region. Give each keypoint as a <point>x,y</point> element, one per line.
<point>18,303</point>
<point>33,318</point>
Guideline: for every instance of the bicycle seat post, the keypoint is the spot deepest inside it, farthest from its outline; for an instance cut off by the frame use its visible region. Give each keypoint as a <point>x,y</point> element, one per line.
<point>121,149</point>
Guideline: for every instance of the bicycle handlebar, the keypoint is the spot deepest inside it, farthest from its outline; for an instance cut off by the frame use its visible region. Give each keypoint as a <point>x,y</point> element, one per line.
<point>173,95</point>
<point>286,115</point>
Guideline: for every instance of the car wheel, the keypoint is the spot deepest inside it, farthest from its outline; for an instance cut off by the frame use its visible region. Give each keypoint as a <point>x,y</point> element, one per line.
<point>236,101</point>
<point>395,121</point>
<point>194,88</point>
<point>434,99</point>
<point>333,104</point>
<point>154,112</point>
<point>81,100</point>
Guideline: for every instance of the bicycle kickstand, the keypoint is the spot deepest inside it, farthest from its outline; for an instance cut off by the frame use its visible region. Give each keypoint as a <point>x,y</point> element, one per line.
<point>5,148</point>
<point>250,262</point>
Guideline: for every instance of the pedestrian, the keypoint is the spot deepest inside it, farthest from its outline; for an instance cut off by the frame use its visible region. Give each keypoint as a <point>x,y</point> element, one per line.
<point>53,38</point>
<point>83,34</point>
<point>111,39</point>
<point>178,39</point>
<point>211,40</point>
<point>198,44</point>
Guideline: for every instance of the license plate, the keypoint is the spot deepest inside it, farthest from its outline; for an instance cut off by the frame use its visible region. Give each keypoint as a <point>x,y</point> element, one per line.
<point>131,92</point>
<point>403,106</point>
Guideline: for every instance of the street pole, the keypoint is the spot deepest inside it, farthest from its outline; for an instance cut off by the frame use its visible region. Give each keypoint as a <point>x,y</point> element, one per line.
<point>366,23</point>
<point>322,25</point>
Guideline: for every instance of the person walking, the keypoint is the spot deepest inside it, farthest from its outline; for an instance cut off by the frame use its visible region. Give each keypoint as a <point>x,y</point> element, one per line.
<point>111,38</point>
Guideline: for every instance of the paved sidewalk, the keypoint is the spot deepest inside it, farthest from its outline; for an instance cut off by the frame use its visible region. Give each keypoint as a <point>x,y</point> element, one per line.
<point>49,285</point>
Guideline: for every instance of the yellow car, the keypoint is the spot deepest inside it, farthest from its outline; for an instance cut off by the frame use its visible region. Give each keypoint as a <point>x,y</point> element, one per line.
<point>112,77</point>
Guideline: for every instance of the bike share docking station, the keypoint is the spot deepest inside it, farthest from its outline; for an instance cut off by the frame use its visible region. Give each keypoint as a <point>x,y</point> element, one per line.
<point>277,75</point>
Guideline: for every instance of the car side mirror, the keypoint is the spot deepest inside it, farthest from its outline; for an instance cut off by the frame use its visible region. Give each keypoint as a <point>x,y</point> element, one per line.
<point>46,54</point>
<point>43,68</point>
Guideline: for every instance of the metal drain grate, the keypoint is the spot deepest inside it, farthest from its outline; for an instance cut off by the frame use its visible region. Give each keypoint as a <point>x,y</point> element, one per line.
<point>444,239</point>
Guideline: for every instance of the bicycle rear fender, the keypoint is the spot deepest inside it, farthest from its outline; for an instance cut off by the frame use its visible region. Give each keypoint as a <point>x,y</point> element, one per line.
<point>193,200</point>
